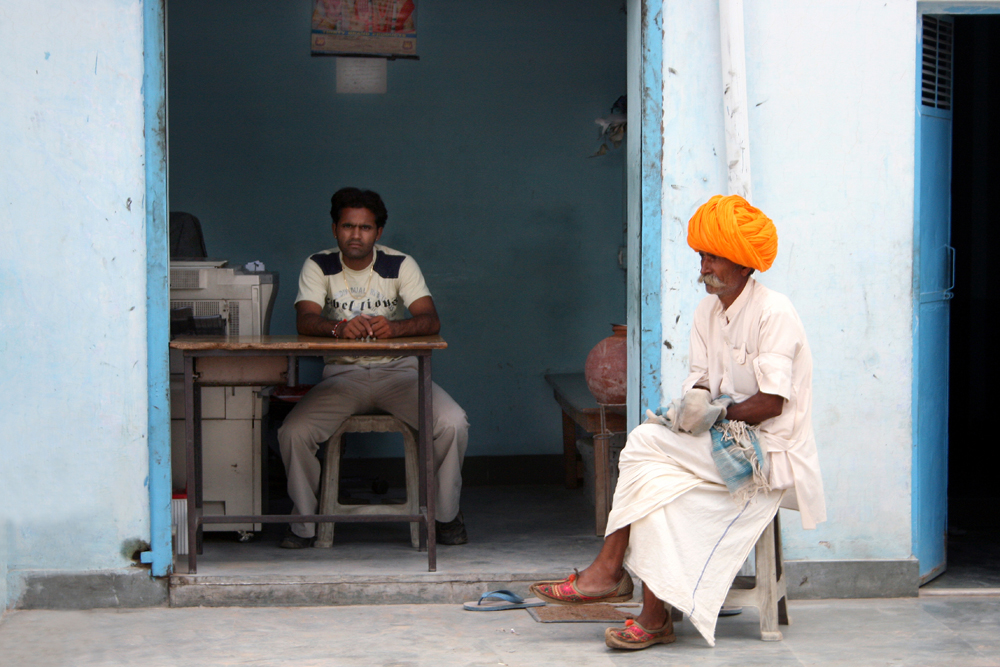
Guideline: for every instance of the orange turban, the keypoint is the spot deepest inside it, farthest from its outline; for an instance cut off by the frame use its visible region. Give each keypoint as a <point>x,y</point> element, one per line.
<point>730,227</point>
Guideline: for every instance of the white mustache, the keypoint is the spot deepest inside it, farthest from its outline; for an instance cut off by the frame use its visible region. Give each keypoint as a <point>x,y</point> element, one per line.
<point>711,280</point>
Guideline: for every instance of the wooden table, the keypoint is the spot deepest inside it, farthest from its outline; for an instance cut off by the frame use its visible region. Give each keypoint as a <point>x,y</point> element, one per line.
<point>580,408</point>
<point>269,360</point>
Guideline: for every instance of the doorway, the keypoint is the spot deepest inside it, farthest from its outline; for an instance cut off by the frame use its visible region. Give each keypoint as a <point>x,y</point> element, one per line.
<point>973,542</point>
<point>474,148</point>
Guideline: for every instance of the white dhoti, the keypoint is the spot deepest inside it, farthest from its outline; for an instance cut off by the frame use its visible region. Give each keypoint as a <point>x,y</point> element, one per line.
<point>688,538</point>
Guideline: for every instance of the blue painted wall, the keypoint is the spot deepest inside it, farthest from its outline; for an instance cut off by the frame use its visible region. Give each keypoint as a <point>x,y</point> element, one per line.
<point>479,149</point>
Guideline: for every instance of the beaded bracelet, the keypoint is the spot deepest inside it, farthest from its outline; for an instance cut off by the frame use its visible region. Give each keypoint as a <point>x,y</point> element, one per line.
<point>335,326</point>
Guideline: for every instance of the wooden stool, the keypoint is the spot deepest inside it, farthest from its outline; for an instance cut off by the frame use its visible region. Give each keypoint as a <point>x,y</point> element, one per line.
<point>329,501</point>
<point>766,590</point>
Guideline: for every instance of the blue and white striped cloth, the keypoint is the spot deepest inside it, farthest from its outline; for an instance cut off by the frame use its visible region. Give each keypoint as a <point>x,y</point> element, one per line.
<point>739,459</point>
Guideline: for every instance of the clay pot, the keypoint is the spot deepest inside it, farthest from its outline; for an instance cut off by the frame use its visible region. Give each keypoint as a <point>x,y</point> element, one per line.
<point>607,367</point>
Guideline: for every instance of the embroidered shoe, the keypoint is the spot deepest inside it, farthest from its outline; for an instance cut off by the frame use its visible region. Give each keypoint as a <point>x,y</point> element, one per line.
<point>633,636</point>
<point>566,592</point>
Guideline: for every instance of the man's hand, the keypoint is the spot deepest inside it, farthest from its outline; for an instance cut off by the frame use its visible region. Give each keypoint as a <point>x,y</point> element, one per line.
<point>363,326</point>
<point>310,322</point>
<point>424,322</point>
<point>357,327</point>
<point>381,327</point>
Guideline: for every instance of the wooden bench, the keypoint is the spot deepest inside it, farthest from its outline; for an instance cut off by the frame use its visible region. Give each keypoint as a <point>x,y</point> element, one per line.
<point>580,410</point>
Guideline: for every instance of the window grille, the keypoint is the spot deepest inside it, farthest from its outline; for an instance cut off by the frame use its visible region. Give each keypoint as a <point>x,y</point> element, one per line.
<point>938,49</point>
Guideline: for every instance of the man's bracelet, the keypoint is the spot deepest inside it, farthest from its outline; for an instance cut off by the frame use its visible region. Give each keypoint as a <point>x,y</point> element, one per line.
<point>335,327</point>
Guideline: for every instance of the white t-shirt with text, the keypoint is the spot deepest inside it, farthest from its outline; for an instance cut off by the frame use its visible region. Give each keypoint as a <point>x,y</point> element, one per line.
<point>386,287</point>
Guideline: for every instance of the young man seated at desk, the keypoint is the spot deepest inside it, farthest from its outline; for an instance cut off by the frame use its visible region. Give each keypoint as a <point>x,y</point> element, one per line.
<point>359,290</point>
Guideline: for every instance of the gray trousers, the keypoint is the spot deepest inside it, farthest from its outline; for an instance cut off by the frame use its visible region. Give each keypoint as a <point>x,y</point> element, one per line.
<point>354,389</point>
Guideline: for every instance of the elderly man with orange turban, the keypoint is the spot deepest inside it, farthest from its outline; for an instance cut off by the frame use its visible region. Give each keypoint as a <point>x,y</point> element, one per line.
<point>702,478</point>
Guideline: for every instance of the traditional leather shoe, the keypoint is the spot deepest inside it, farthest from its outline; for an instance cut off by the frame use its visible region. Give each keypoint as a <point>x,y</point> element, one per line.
<point>451,532</point>
<point>293,541</point>
<point>634,636</point>
<point>566,592</point>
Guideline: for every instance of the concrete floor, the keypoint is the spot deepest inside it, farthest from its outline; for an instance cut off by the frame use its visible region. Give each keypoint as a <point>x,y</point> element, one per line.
<point>517,535</point>
<point>923,632</point>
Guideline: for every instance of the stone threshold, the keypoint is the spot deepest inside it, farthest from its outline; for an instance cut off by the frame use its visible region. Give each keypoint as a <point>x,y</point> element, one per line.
<point>334,590</point>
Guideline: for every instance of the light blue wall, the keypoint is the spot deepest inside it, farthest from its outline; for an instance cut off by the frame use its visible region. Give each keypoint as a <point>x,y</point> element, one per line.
<point>838,180</point>
<point>73,452</point>
<point>479,149</point>
<point>5,527</point>
<point>694,167</point>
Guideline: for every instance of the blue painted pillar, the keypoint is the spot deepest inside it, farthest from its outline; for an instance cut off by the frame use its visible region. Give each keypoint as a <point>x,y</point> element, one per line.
<point>645,192</point>
<point>154,89</point>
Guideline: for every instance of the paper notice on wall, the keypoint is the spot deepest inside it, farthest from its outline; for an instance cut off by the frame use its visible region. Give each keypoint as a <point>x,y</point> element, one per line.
<point>361,75</point>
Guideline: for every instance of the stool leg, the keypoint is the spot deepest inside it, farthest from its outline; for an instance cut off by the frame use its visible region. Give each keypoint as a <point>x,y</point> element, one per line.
<point>412,467</point>
<point>330,490</point>
<point>415,534</point>
<point>783,618</point>
<point>783,611</point>
<point>767,586</point>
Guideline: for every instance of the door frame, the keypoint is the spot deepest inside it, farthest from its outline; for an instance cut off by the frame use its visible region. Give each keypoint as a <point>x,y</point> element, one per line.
<point>154,100</point>
<point>644,179</point>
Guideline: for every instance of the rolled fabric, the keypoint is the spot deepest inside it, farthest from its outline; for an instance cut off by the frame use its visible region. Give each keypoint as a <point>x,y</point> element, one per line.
<point>728,226</point>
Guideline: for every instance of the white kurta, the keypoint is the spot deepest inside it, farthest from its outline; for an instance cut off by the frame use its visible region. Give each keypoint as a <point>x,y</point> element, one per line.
<point>688,537</point>
<point>759,344</point>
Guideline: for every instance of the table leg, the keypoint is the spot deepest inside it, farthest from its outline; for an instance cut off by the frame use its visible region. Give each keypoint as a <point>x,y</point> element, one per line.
<point>189,421</point>
<point>199,468</point>
<point>426,446</point>
<point>569,451</point>
<point>601,504</point>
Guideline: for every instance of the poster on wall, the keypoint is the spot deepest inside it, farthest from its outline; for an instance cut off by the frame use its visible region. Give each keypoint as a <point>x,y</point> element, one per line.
<point>364,27</point>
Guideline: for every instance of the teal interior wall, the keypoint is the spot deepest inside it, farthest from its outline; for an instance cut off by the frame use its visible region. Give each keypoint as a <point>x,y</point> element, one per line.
<point>480,150</point>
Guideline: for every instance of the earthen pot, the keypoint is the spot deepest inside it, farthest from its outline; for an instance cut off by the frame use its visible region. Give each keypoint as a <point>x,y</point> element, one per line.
<point>607,367</point>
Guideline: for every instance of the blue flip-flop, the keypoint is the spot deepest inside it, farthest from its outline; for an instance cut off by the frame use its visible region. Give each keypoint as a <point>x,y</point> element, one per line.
<point>501,600</point>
